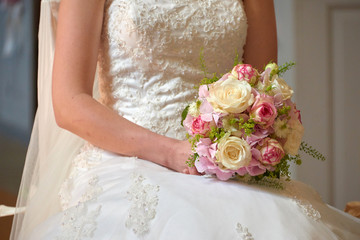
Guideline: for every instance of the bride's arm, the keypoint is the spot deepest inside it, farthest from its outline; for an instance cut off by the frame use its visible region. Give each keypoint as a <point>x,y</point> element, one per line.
<point>261,41</point>
<point>76,51</point>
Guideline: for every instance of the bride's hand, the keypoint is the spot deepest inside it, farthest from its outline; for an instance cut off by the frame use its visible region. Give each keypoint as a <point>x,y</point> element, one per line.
<point>181,153</point>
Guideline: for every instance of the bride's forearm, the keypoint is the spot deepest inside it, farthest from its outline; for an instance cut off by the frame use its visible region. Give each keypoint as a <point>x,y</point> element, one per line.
<point>77,42</point>
<point>101,126</point>
<point>261,41</point>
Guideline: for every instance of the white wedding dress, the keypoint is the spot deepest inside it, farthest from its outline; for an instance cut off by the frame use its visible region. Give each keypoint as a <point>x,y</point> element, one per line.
<point>148,65</point>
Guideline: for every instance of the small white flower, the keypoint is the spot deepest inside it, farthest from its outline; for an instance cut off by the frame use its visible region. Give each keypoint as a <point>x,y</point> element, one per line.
<point>294,138</point>
<point>194,109</point>
<point>231,128</point>
<point>281,128</point>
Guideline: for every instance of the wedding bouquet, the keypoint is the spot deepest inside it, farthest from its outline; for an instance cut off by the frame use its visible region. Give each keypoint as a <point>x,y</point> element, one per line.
<point>244,124</point>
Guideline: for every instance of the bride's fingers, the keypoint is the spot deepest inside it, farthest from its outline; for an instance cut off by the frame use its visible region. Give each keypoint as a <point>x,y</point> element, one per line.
<point>193,171</point>
<point>186,171</point>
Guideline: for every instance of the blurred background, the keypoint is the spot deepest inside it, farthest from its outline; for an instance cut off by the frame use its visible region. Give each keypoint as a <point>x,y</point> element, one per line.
<point>321,36</point>
<point>19,21</point>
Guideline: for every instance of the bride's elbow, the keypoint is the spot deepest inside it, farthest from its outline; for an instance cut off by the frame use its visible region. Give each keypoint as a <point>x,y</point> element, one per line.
<point>71,110</point>
<point>61,118</point>
<point>62,110</point>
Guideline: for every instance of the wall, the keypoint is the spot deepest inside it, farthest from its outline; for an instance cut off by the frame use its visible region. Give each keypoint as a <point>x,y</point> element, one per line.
<point>17,78</point>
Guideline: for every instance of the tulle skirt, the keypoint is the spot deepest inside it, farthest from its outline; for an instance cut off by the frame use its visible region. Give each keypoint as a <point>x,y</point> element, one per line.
<point>108,196</point>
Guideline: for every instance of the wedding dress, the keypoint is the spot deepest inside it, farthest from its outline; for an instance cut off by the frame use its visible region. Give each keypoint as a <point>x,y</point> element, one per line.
<point>148,65</point>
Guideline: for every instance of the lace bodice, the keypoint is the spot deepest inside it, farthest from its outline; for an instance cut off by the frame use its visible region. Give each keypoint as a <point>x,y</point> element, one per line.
<point>149,59</point>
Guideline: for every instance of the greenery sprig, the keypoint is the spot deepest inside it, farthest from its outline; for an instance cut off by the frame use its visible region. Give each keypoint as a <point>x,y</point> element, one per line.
<point>306,148</point>
<point>237,60</point>
<point>191,160</point>
<point>285,67</point>
<point>193,140</point>
<point>284,110</point>
<point>202,62</point>
<point>216,134</point>
<point>206,80</point>
<point>248,126</point>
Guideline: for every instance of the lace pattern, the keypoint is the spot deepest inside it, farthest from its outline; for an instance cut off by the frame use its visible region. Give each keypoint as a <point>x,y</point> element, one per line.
<point>93,190</point>
<point>144,200</point>
<point>243,232</point>
<point>305,206</point>
<point>88,157</point>
<point>78,222</point>
<point>149,56</point>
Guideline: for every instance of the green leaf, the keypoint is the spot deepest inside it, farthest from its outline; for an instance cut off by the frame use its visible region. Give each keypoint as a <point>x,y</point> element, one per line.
<point>184,114</point>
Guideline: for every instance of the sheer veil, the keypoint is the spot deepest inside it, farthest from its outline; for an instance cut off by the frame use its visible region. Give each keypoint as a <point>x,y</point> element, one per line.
<point>51,149</point>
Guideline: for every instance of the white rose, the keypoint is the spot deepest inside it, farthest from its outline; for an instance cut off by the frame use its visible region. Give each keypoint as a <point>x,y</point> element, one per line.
<point>280,86</point>
<point>230,95</point>
<point>233,153</point>
<point>194,109</point>
<point>294,138</point>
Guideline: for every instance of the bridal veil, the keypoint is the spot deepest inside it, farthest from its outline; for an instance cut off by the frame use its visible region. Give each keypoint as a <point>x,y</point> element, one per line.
<point>51,149</point>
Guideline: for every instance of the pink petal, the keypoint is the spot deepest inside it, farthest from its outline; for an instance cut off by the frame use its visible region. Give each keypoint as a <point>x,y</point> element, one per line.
<point>206,107</point>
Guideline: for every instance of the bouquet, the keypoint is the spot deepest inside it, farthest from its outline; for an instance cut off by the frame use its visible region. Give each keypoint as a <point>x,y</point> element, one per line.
<point>244,124</point>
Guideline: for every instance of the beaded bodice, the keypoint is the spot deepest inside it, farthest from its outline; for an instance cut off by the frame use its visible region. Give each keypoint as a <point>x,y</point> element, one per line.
<point>149,60</point>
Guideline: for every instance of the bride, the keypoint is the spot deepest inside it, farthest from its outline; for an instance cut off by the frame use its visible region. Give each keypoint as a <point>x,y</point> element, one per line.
<point>107,156</point>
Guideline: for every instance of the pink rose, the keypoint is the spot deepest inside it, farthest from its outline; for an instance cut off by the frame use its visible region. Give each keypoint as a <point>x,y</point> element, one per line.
<point>263,111</point>
<point>245,72</point>
<point>271,152</point>
<point>255,167</point>
<point>199,126</point>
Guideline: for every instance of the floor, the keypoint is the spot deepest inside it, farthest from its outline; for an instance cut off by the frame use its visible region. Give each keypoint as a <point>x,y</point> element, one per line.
<point>5,222</point>
<point>12,157</point>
